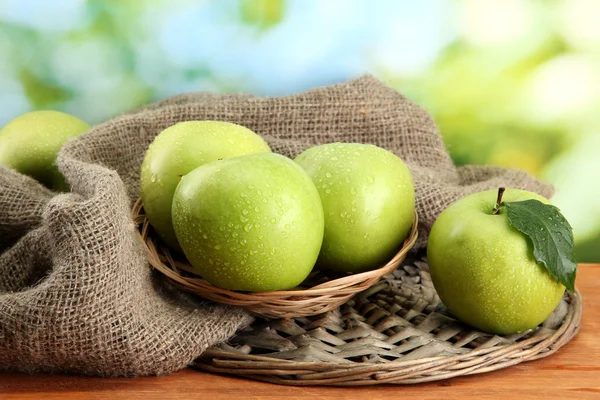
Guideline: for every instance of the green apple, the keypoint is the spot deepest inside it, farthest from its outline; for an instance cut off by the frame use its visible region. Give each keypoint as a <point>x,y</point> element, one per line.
<point>484,270</point>
<point>250,223</point>
<point>30,143</point>
<point>369,201</point>
<point>180,149</point>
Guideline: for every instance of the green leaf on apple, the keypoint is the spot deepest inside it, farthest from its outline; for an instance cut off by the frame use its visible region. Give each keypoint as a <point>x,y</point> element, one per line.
<point>551,236</point>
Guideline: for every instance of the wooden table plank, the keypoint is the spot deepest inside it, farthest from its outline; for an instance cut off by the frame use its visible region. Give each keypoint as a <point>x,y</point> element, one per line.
<point>573,372</point>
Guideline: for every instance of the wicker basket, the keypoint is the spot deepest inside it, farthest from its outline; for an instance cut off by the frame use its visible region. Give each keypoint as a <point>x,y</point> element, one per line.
<point>319,293</point>
<point>397,332</point>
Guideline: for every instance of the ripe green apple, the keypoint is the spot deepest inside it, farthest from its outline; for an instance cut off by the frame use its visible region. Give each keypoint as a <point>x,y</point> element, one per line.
<point>180,149</point>
<point>369,201</point>
<point>484,270</point>
<point>250,223</point>
<point>30,143</point>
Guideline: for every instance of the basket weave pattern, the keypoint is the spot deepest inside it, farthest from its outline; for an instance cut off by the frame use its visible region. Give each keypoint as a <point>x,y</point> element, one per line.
<point>318,294</point>
<point>397,331</point>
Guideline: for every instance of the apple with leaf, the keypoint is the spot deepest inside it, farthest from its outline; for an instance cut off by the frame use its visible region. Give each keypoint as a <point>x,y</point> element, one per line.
<point>501,260</point>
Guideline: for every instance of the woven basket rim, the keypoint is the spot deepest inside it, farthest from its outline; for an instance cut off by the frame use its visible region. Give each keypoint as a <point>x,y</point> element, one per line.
<point>282,302</point>
<point>420,370</point>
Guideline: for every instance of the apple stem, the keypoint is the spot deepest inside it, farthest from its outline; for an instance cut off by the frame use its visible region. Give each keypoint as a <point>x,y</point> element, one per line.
<point>498,201</point>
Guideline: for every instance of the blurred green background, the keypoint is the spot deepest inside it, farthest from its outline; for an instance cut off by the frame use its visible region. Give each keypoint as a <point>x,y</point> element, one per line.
<point>514,83</point>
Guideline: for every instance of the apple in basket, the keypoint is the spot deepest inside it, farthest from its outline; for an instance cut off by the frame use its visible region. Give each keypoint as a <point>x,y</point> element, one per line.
<point>30,143</point>
<point>249,223</point>
<point>369,202</point>
<point>180,149</point>
<point>501,266</point>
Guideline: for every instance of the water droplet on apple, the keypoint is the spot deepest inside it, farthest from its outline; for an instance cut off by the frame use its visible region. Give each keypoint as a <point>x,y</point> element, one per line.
<point>353,191</point>
<point>153,178</point>
<point>245,212</point>
<point>243,242</point>
<point>273,220</point>
<point>328,175</point>
<point>218,247</point>
<point>327,190</point>
<point>247,227</point>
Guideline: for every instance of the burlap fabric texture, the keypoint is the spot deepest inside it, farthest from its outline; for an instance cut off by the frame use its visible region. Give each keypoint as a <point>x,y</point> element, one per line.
<point>76,292</point>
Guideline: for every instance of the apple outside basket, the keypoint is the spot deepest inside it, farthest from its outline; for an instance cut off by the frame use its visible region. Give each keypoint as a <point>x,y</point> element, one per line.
<point>316,295</point>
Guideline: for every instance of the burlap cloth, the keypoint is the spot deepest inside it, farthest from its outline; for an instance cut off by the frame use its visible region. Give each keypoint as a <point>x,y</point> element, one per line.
<point>76,292</point>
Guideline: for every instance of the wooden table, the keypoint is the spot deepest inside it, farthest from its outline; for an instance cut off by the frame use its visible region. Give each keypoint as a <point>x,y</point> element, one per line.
<point>572,373</point>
